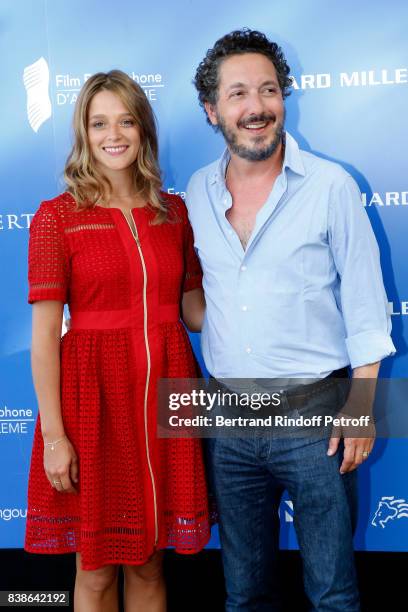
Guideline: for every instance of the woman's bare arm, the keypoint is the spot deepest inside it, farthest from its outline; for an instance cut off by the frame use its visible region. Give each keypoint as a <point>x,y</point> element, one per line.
<point>45,363</point>
<point>60,462</point>
<point>193,309</point>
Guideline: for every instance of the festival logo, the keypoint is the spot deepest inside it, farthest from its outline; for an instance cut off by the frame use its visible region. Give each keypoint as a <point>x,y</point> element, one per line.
<point>66,89</point>
<point>68,85</point>
<point>389,509</point>
<point>36,80</point>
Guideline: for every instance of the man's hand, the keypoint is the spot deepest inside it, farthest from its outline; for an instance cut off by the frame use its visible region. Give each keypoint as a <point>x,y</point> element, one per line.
<point>358,439</point>
<point>356,448</point>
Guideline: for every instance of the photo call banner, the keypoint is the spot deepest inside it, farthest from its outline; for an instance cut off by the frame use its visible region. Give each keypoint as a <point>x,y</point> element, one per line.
<point>349,65</point>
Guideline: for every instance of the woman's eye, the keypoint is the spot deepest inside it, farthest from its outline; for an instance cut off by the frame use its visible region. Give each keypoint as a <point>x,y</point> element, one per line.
<point>128,122</point>
<point>97,124</point>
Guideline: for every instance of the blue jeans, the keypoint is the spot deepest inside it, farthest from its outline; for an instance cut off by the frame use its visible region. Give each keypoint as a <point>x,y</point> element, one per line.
<point>248,475</point>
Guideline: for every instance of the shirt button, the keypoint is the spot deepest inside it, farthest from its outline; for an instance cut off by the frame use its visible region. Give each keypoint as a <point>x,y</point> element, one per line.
<point>244,308</point>
<point>243,268</point>
<point>248,349</point>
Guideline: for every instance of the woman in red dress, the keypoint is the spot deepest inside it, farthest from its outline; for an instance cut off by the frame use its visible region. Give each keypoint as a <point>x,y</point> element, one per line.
<point>120,253</point>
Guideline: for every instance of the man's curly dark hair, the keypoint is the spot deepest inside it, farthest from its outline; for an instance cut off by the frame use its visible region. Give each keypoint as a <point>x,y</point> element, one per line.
<point>236,43</point>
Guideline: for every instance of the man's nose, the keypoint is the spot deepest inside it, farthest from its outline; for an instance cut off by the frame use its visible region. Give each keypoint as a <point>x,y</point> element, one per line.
<point>256,104</point>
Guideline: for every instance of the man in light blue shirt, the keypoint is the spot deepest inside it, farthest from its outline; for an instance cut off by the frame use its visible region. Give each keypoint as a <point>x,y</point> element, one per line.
<point>294,289</point>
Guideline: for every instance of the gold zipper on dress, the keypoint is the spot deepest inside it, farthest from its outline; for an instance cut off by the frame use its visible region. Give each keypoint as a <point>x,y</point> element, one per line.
<point>136,237</point>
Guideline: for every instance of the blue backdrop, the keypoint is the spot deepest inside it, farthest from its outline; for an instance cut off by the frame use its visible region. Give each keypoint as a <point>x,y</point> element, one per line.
<point>349,63</point>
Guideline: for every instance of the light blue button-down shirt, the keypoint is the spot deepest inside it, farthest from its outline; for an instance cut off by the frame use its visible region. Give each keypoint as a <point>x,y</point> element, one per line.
<point>306,297</point>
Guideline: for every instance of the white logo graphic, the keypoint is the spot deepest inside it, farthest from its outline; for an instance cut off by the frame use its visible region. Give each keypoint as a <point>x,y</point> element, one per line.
<point>398,308</point>
<point>388,198</point>
<point>13,222</point>
<point>7,514</point>
<point>389,509</point>
<point>68,85</point>
<point>36,81</point>
<point>287,510</point>
<point>172,191</point>
<point>363,78</point>
<point>15,420</point>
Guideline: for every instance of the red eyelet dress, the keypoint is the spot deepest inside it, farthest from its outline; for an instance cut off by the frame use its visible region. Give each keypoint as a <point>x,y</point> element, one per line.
<point>137,492</point>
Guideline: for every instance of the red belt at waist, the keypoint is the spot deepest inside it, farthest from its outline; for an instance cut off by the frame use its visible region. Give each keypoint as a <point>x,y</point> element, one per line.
<point>115,319</point>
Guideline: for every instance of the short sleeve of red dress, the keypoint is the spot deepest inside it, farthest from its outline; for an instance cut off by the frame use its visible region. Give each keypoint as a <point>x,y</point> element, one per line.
<point>48,263</point>
<point>193,273</point>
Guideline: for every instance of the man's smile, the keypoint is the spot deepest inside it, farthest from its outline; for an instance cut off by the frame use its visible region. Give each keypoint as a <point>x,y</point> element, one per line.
<point>257,125</point>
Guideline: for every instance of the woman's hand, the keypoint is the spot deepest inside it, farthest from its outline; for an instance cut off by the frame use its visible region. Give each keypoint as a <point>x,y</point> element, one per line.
<point>61,466</point>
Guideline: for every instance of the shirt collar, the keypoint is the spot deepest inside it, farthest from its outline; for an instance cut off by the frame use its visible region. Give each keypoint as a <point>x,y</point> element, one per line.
<point>221,167</point>
<point>292,160</point>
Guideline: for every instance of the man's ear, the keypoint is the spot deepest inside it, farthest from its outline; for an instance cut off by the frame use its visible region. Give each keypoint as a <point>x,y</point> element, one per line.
<point>210,110</point>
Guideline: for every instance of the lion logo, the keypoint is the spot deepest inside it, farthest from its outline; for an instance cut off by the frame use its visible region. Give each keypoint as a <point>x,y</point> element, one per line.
<point>389,509</point>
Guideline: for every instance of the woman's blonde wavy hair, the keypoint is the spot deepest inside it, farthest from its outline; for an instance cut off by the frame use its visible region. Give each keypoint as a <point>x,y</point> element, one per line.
<point>83,179</point>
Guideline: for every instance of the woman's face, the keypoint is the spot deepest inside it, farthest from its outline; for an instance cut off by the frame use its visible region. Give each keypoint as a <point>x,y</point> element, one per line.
<point>113,134</point>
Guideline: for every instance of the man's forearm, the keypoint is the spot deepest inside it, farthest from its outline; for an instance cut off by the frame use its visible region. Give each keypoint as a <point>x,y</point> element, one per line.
<point>367,371</point>
<point>362,393</point>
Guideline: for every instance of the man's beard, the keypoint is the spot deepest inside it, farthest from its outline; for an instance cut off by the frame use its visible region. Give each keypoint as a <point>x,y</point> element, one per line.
<point>253,153</point>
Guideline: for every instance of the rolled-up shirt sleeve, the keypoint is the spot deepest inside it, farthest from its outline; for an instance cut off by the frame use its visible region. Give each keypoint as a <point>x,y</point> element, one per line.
<point>356,256</point>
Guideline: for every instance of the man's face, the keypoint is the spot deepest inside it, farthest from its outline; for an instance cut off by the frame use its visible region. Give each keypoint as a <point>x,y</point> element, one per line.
<point>249,110</point>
